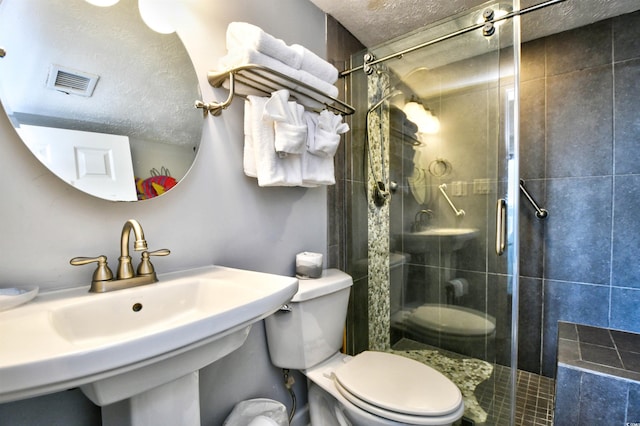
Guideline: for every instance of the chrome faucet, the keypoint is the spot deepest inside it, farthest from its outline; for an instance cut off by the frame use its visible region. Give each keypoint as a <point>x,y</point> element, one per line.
<point>419,221</point>
<point>103,281</point>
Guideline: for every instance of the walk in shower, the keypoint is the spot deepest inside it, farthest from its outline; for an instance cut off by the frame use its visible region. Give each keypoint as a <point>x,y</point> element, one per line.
<point>435,203</point>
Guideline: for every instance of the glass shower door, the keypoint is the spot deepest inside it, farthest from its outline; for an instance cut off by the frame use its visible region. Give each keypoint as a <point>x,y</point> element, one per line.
<point>442,192</point>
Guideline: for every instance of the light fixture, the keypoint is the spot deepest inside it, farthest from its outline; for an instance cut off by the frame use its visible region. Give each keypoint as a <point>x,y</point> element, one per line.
<point>102,3</point>
<point>157,14</point>
<point>422,117</point>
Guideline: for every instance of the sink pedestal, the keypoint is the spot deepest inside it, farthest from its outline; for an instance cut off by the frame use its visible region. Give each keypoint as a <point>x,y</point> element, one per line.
<point>174,403</point>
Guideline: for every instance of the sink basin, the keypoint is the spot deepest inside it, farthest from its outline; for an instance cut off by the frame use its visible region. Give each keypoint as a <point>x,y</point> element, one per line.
<point>119,344</point>
<point>434,238</point>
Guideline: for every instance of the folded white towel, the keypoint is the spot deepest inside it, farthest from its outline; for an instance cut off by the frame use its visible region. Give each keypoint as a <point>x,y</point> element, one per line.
<point>289,125</point>
<point>271,170</point>
<point>242,35</point>
<point>313,81</point>
<point>316,170</point>
<point>306,97</point>
<point>327,134</point>
<point>238,57</point>
<point>315,65</point>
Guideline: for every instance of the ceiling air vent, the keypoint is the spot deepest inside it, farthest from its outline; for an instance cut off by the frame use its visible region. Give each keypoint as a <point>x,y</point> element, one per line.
<point>71,81</point>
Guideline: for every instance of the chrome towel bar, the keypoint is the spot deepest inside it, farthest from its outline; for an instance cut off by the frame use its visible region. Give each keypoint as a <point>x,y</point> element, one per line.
<point>540,213</point>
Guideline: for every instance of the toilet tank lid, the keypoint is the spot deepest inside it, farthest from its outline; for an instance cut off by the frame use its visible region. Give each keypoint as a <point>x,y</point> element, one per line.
<point>332,280</point>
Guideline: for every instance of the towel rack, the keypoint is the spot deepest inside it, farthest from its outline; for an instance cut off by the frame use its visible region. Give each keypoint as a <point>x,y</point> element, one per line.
<point>260,80</point>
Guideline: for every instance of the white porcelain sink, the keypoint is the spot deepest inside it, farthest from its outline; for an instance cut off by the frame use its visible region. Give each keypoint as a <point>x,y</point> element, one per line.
<point>430,238</point>
<point>119,344</point>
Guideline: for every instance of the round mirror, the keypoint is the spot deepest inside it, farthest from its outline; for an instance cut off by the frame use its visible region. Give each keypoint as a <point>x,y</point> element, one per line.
<point>106,103</point>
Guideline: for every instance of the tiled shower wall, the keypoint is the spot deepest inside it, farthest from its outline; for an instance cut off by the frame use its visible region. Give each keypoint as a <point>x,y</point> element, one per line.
<point>580,156</point>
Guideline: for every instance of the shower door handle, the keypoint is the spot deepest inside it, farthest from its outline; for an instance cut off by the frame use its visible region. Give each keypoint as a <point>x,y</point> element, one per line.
<point>501,226</point>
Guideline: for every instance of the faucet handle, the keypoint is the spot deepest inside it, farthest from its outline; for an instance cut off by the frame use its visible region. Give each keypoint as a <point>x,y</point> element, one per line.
<point>102,273</point>
<point>146,267</point>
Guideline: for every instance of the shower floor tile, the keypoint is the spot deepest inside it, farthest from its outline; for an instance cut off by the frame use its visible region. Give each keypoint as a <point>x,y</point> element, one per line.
<point>534,394</point>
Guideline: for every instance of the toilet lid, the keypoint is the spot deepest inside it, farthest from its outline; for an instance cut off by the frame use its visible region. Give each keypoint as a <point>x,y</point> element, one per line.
<point>452,319</point>
<point>398,384</point>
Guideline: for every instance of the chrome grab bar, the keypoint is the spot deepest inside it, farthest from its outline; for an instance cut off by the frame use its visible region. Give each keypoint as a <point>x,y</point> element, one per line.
<point>443,189</point>
<point>540,213</point>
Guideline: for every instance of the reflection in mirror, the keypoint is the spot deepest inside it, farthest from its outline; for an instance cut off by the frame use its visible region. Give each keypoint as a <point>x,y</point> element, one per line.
<point>99,98</point>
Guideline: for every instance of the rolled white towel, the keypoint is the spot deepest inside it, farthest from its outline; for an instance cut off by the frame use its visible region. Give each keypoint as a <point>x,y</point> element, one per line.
<point>315,65</point>
<point>242,35</point>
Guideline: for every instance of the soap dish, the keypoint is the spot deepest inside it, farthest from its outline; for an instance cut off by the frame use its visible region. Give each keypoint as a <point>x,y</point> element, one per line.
<point>12,297</point>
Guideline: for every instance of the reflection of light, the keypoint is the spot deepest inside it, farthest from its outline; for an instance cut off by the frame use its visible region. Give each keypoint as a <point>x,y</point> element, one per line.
<point>157,14</point>
<point>102,3</point>
<point>423,118</point>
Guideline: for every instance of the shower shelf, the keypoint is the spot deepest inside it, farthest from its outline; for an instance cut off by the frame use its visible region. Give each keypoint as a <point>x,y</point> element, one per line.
<point>259,80</point>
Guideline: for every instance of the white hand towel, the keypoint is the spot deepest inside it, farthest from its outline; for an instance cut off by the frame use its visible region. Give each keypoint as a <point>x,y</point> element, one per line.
<point>327,134</point>
<point>242,35</point>
<point>249,160</point>
<point>316,170</point>
<point>290,128</point>
<point>315,65</point>
<point>271,170</point>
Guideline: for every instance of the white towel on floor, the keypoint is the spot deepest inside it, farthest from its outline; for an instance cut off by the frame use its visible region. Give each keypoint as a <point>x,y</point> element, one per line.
<point>270,169</point>
<point>316,170</point>
<point>315,65</point>
<point>289,126</point>
<point>242,36</point>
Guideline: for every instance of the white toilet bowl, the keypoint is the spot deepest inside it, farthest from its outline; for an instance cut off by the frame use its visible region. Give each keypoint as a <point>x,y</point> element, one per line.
<point>377,388</point>
<point>371,388</point>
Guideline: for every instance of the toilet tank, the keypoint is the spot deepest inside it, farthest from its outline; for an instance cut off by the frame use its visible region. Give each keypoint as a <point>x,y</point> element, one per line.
<point>310,328</point>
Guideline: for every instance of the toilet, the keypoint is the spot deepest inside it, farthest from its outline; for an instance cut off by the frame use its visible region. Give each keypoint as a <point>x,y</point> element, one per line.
<point>371,388</point>
<point>454,328</point>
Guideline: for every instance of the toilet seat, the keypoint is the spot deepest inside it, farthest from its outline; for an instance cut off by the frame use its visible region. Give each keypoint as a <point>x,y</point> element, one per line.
<point>454,320</point>
<point>397,388</point>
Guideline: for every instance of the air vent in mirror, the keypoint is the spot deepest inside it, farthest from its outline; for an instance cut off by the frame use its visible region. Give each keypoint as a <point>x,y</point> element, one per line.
<point>71,81</point>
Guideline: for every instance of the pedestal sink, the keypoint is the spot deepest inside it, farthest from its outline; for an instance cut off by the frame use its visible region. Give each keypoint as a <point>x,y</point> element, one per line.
<point>434,238</point>
<point>137,351</point>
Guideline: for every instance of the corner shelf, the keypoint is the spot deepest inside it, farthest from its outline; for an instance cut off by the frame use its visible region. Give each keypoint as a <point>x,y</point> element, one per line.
<point>259,80</point>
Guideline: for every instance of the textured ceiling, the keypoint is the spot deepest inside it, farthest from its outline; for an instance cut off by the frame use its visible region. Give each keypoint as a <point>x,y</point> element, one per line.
<point>377,21</point>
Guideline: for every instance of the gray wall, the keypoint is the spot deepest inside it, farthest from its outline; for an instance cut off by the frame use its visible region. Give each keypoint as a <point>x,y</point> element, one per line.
<point>215,216</point>
<point>581,158</point>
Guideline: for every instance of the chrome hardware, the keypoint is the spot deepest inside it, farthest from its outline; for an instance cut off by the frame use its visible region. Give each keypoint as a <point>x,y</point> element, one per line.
<point>368,69</point>
<point>501,226</point>
<point>103,281</point>
<point>443,189</point>
<point>216,108</point>
<point>540,213</point>
<point>419,223</point>
<point>2,52</point>
<point>285,308</point>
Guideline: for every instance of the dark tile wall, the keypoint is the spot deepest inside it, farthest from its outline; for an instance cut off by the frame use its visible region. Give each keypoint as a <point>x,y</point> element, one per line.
<point>598,376</point>
<point>580,156</point>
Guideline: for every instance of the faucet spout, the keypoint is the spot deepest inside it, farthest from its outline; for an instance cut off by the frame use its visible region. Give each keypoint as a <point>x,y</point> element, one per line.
<point>125,269</point>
